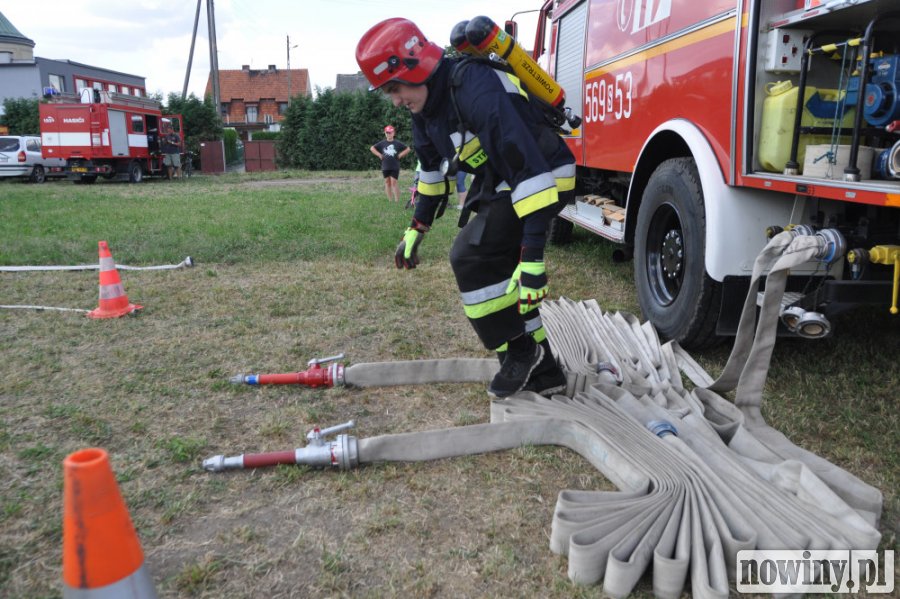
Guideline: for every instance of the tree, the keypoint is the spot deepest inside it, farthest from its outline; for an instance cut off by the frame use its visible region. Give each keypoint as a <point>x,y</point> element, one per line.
<point>21,116</point>
<point>335,130</point>
<point>290,148</point>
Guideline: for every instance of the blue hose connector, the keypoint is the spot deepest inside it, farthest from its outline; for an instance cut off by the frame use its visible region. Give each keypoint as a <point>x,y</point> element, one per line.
<point>661,428</point>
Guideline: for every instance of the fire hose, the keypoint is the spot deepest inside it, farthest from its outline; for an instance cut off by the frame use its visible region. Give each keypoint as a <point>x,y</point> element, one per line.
<point>699,477</point>
<point>187,262</point>
<point>378,374</point>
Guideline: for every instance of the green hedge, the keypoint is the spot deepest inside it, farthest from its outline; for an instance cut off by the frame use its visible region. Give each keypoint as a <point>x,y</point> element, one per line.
<point>334,131</point>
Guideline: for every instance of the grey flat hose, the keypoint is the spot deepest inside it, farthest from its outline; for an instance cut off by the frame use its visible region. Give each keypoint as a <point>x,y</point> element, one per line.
<point>699,477</point>
<point>420,372</point>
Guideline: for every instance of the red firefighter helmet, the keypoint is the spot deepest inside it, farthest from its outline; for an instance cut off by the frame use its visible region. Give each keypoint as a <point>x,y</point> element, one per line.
<point>397,50</point>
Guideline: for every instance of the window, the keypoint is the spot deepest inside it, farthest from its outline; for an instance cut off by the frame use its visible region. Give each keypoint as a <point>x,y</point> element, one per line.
<point>125,89</point>
<point>57,82</point>
<point>137,92</point>
<point>32,145</point>
<point>137,123</point>
<point>251,114</point>
<point>282,107</point>
<point>80,84</point>
<point>97,85</point>
<point>112,87</point>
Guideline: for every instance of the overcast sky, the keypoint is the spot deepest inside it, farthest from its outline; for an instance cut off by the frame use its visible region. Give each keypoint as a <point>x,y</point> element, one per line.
<point>152,38</point>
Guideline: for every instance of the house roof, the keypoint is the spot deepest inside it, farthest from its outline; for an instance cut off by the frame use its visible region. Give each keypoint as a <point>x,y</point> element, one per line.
<point>253,84</point>
<point>349,83</point>
<point>9,33</point>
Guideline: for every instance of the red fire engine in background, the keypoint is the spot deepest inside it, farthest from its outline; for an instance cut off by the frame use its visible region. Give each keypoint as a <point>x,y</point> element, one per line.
<point>106,134</point>
<point>707,124</point>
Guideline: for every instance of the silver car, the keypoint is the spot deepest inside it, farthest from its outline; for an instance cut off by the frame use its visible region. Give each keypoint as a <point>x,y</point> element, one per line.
<point>20,156</point>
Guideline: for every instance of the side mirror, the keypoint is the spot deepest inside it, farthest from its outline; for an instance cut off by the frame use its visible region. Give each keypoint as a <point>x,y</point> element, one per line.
<point>512,28</point>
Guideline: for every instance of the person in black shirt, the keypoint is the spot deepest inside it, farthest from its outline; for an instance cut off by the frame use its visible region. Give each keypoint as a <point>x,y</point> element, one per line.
<point>170,143</point>
<point>390,151</point>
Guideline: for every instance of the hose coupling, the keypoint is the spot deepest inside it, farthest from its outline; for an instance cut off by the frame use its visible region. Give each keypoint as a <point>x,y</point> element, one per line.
<point>833,245</point>
<point>661,428</point>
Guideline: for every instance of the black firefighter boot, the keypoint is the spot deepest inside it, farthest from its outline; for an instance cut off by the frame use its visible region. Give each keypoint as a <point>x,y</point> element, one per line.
<point>547,378</point>
<point>521,359</point>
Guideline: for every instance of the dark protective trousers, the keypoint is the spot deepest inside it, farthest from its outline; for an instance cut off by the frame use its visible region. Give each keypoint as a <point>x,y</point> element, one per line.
<point>484,256</point>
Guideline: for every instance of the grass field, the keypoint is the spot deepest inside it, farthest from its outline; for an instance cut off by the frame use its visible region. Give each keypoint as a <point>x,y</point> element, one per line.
<point>294,266</point>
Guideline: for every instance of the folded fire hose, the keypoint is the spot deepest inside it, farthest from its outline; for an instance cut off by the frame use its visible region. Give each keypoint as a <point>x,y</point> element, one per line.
<point>699,477</point>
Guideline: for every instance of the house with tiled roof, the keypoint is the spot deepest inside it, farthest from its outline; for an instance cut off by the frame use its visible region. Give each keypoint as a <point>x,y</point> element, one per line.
<point>257,99</point>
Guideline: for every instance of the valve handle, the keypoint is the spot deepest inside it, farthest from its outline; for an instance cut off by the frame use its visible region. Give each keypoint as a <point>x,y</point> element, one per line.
<point>316,361</point>
<point>318,434</point>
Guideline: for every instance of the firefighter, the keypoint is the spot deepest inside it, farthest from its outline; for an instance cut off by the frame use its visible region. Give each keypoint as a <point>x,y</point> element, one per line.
<point>469,115</point>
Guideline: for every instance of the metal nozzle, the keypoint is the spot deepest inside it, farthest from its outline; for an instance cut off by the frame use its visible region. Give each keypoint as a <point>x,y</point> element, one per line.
<point>237,379</point>
<point>219,463</point>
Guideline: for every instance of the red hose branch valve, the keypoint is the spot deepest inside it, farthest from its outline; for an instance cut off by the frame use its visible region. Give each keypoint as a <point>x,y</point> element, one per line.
<point>314,376</point>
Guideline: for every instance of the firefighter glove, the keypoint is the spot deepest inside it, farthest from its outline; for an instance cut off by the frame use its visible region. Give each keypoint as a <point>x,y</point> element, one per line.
<point>407,254</point>
<point>530,277</point>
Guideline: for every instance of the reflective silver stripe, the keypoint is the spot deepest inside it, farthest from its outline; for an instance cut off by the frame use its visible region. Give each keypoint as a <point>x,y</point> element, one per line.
<point>530,187</point>
<point>533,324</point>
<point>504,186</point>
<point>111,291</point>
<point>107,263</point>
<point>457,139</point>
<point>431,176</point>
<point>512,87</point>
<point>566,170</point>
<point>135,586</point>
<point>471,298</point>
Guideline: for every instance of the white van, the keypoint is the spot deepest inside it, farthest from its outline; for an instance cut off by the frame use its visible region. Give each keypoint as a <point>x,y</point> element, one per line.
<point>20,156</point>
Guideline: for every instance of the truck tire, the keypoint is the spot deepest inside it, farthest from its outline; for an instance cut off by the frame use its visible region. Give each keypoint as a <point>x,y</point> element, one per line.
<point>135,172</point>
<point>560,231</point>
<point>674,291</point>
<point>37,174</point>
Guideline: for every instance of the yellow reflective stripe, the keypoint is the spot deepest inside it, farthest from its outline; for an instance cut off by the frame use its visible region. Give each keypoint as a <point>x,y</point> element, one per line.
<point>535,202</point>
<point>504,347</point>
<point>476,311</point>
<point>476,160</point>
<point>431,189</point>
<point>539,335</point>
<point>565,184</point>
<point>471,152</point>
<point>565,177</point>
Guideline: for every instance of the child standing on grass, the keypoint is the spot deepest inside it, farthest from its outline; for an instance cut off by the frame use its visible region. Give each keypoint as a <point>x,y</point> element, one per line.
<point>391,152</point>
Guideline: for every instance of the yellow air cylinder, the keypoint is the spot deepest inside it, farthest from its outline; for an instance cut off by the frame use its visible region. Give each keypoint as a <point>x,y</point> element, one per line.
<point>487,38</point>
<point>459,40</point>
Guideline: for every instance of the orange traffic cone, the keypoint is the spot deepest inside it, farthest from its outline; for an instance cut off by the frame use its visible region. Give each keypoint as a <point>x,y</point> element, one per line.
<point>113,301</point>
<point>102,556</point>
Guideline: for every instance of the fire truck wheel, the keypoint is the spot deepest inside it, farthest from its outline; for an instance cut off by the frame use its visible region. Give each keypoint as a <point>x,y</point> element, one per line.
<point>135,172</point>
<point>37,174</point>
<point>560,231</point>
<point>674,291</point>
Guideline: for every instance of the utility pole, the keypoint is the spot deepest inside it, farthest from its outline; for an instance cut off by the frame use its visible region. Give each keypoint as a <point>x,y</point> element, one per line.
<point>187,74</point>
<point>213,55</point>
<point>289,46</point>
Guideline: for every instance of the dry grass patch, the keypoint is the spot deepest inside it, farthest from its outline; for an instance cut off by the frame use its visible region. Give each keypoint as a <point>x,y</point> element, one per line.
<point>153,391</point>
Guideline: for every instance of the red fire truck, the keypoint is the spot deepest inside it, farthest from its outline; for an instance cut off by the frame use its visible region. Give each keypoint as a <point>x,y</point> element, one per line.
<point>106,134</point>
<point>707,123</point>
